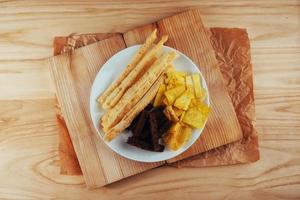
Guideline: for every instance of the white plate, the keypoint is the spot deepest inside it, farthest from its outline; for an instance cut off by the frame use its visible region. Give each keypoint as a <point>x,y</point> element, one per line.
<point>109,72</point>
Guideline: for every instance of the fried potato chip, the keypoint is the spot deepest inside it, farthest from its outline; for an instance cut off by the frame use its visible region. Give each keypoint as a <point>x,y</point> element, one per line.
<point>158,98</point>
<point>189,85</point>
<point>195,116</point>
<point>184,136</point>
<point>184,100</point>
<point>197,86</point>
<point>170,138</point>
<point>173,93</point>
<point>170,114</point>
<point>199,105</point>
<point>177,135</point>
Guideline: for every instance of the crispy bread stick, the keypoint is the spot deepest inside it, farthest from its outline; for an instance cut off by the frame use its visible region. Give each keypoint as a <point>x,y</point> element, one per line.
<point>127,119</point>
<point>141,52</point>
<point>113,98</point>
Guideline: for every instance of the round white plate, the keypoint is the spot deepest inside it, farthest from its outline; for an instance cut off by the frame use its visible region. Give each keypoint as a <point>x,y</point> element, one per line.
<point>109,72</point>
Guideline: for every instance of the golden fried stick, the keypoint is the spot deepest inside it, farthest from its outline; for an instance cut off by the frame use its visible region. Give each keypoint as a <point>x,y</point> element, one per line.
<point>135,93</point>
<point>127,119</point>
<point>113,98</point>
<point>137,58</point>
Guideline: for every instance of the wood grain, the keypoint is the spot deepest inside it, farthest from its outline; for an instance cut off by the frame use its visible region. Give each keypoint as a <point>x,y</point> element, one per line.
<point>28,135</point>
<point>77,124</point>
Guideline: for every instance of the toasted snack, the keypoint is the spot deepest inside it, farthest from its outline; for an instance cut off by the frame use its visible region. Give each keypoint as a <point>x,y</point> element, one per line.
<point>170,114</point>
<point>196,115</point>
<point>189,84</point>
<point>137,58</point>
<point>185,135</point>
<point>143,116</point>
<point>154,132</point>
<point>159,95</point>
<point>134,141</point>
<point>170,137</point>
<point>113,98</point>
<point>177,135</point>
<point>134,93</point>
<point>197,86</point>
<point>172,94</point>
<point>129,116</point>
<point>184,100</point>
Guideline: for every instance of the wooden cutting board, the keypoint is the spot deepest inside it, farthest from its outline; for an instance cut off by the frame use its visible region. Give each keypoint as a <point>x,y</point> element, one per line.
<point>73,75</point>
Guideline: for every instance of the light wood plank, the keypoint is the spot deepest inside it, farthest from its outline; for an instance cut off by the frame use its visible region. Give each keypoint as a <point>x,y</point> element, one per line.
<point>34,41</point>
<point>25,79</point>
<point>78,126</point>
<point>276,68</point>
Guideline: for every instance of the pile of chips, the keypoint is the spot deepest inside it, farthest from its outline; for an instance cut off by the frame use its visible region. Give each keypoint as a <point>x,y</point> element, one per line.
<point>183,96</point>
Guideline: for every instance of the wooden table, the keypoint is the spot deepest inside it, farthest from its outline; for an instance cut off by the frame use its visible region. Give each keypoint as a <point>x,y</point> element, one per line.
<point>28,135</point>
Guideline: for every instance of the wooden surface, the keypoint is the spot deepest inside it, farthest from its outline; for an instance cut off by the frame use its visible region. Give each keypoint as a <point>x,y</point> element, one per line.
<point>74,74</point>
<point>28,135</point>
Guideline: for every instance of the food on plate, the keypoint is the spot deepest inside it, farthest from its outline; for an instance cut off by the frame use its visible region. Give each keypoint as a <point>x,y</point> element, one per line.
<point>157,104</point>
<point>177,135</point>
<point>159,95</point>
<point>103,99</point>
<point>172,94</point>
<point>129,79</point>
<point>196,115</point>
<point>183,97</point>
<point>184,100</point>
<point>170,114</point>
<point>147,129</point>
<point>133,95</point>
<point>129,116</point>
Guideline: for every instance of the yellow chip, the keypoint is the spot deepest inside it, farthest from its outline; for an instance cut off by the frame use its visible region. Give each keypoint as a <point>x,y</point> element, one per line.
<point>195,116</point>
<point>176,80</point>
<point>158,98</point>
<point>184,100</point>
<point>185,135</point>
<point>171,85</point>
<point>199,105</point>
<point>177,136</point>
<point>173,93</point>
<point>171,137</point>
<point>189,85</point>
<point>197,86</point>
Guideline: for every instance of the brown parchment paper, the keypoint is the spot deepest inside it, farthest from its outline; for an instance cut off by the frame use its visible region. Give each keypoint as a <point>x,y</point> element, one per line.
<point>232,49</point>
